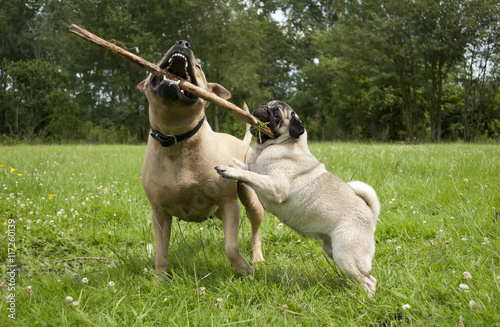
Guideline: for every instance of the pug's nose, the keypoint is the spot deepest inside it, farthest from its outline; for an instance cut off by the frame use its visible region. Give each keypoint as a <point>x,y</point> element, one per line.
<point>184,44</point>
<point>262,114</point>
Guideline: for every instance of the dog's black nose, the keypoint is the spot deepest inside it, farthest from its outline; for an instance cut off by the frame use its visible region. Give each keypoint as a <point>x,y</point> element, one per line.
<point>262,113</point>
<point>184,44</point>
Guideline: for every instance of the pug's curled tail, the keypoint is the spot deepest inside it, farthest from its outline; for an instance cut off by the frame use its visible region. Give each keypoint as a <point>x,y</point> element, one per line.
<point>368,194</point>
<point>248,136</point>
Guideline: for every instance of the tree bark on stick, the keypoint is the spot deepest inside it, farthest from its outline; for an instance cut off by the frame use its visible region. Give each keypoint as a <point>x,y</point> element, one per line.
<point>183,84</point>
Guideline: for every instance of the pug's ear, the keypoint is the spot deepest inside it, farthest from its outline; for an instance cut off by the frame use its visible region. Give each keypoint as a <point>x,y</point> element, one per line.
<point>296,127</point>
<point>219,90</point>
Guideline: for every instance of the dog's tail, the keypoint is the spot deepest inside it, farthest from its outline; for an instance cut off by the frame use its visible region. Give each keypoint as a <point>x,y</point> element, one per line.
<point>368,194</point>
<point>248,136</point>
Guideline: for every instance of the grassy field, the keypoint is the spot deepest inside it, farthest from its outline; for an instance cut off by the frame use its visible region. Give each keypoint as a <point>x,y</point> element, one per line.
<point>437,258</point>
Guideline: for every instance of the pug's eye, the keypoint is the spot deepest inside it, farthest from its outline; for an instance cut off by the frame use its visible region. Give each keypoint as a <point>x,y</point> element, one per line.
<point>276,114</point>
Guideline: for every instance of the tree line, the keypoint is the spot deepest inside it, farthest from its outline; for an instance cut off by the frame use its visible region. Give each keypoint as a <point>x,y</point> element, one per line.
<point>392,70</point>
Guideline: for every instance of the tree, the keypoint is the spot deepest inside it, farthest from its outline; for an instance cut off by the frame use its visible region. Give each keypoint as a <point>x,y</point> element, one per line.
<point>30,94</point>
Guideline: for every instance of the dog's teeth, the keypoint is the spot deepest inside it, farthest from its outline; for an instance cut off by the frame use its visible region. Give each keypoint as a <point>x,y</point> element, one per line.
<point>164,78</point>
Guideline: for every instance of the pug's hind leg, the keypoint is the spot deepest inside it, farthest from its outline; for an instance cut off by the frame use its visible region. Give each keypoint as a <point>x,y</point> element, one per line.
<point>326,244</point>
<point>355,263</point>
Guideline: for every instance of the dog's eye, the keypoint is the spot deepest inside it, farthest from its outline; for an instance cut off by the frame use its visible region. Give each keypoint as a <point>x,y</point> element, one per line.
<point>276,114</point>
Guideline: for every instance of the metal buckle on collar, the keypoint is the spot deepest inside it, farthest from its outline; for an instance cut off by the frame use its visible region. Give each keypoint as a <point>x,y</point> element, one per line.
<point>164,140</point>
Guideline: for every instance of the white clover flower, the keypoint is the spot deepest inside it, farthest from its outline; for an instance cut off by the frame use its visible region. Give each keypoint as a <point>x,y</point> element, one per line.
<point>29,289</point>
<point>463,288</point>
<point>85,280</point>
<point>68,299</point>
<point>202,291</point>
<point>406,306</point>
<point>111,284</point>
<point>398,248</point>
<point>75,303</point>
<point>473,304</point>
<point>219,302</point>
<point>280,226</point>
<point>467,275</point>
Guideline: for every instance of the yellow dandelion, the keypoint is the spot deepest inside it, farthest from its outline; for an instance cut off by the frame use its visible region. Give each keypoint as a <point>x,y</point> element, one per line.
<point>51,196</point>
<point>1,166</point>
<point>13,169</point>
<point>19,175</point>
<point>5,223</point>
<point>71,231</point>
<point>275,218</point>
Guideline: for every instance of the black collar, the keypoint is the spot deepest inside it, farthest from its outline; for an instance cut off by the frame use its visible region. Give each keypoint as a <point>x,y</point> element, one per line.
<point>169,140</point>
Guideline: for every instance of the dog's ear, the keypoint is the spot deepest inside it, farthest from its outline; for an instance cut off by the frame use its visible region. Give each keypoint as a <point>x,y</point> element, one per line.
<point>141,85</point>
<point>296,127</point>
<point>219,90</point>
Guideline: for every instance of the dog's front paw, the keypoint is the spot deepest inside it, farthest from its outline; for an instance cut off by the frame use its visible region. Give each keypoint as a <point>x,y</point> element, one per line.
<point>225,171</point>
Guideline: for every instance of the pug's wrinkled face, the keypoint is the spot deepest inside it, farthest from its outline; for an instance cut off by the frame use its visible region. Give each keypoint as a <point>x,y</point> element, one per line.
<point>281,119</point>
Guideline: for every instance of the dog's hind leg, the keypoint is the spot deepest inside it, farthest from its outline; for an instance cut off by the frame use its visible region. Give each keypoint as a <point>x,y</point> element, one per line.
<point>326,244</point>
<point>162,223</point>
<point>229,213</point>
<point>255,213</point>
<point>355,261</point>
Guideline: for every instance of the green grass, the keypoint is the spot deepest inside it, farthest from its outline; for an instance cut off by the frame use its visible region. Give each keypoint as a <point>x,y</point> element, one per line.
<point>440,218</point>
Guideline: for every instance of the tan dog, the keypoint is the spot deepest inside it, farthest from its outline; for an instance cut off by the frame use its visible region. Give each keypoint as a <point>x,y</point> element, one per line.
<point>293,185</point>
<point>177,173</point>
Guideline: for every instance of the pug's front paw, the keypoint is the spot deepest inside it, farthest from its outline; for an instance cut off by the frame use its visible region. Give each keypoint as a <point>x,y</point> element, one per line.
<point>226,171</point>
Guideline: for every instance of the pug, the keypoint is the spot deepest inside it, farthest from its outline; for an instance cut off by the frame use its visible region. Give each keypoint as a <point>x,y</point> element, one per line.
<point>293,185</point>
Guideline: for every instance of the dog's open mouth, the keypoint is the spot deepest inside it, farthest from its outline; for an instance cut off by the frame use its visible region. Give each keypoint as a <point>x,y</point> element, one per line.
<point>179,64</point>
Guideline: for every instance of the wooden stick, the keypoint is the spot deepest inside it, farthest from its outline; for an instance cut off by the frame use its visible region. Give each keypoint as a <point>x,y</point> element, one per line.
<point>183,84</point>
